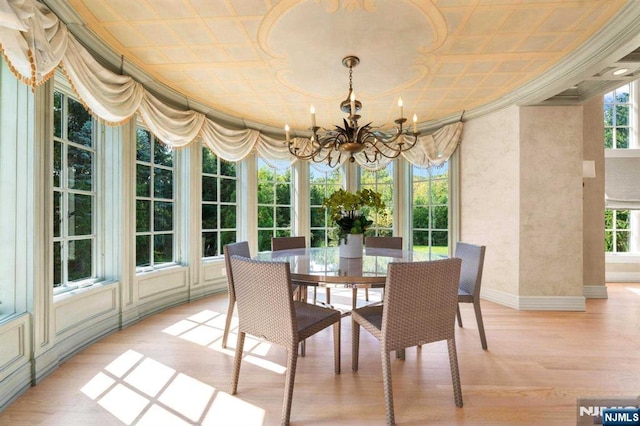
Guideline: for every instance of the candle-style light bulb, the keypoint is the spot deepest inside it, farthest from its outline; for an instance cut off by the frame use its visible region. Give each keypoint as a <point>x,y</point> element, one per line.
<point>312,110</point>
<point>352,103</point>
<point>286,131</point>
<point>415,123</point>
<point>400,105</point>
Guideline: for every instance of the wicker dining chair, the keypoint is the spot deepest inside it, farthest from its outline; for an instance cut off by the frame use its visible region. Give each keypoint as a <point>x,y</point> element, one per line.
<point>419,307</point>
<point>269,312</point>
<point>288,243</point>
<point>381,242</point>
<point>470,280</point>
<point>234,249</point>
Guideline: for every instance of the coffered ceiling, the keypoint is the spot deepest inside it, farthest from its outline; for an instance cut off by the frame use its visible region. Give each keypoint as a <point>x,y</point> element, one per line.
<point>264,62</point>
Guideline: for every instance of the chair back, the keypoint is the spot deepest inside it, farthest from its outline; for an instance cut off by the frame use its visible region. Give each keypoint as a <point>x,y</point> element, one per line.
<point>383,242</point>
<point>265,300</point>
<point>420,302</point>
<point>234,249</point>
<point>472,264</point>
<point>287,243</point>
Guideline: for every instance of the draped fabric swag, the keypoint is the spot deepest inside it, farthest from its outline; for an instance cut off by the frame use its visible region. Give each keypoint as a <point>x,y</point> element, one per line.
<point>34,42</point>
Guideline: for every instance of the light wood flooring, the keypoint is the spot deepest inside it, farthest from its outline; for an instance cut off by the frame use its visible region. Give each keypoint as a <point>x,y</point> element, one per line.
<point>170,369</point>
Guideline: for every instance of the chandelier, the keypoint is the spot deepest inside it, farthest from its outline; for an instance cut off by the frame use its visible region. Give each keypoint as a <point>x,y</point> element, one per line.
<point>331,145</point>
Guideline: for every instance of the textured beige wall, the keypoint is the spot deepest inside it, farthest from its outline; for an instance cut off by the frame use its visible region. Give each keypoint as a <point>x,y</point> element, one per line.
<point>489,203</point>
<point>593,194</point>
<point>551,201</point>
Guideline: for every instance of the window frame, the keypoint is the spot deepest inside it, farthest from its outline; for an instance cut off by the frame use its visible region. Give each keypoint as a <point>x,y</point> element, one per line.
<point>328,189</point>
<point>430,205</point>
<point>218,176</point>
<point>374,229</point>
<point>151,198</point>
<point>633,228</point>
<point>276,231</point>
<point>61,85</point>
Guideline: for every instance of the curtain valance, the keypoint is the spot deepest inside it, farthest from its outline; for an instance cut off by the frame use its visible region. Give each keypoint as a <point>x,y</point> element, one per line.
<point>34,42</point>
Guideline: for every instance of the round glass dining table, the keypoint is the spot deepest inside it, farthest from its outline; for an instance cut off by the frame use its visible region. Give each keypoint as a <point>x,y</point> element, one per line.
<point>323,266</point>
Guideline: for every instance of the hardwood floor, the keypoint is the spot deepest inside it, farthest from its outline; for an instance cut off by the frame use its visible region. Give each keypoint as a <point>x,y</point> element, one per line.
<point>170,369</point>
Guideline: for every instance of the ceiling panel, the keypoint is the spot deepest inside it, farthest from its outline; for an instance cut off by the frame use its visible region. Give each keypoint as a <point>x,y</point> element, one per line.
<point>267,61</point>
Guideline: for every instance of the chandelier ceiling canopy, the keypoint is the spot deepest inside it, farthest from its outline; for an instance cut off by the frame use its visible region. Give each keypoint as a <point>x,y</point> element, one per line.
<point>330,145</point>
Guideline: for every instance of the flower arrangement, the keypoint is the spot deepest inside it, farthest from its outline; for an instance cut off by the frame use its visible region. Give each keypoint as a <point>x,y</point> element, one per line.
<point>346,210</point>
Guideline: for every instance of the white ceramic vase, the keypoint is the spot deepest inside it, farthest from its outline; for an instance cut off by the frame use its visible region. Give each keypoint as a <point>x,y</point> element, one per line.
<point>353,247</point>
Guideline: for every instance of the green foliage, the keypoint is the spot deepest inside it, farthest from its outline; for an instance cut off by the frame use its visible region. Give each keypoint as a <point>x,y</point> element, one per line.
<point>349,210</point>
<point>617,231</point>
<point>616,118</point>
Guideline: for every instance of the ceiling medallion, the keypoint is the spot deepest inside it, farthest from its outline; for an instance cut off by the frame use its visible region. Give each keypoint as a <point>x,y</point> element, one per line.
<point>330,145</point>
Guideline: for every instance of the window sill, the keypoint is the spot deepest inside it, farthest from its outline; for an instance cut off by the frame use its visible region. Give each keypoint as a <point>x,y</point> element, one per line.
<point>152,269</point>
<point>622,258</point>
<point>81,289</point>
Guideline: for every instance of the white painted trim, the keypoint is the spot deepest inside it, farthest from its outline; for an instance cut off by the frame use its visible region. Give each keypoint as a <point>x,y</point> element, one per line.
<point>552,303</point>
<point>534,303</point>
<point>622,277</point>
<point>500,297</point>
<point>595,292</point>
<point>15,337</point>
<point>621,258</point>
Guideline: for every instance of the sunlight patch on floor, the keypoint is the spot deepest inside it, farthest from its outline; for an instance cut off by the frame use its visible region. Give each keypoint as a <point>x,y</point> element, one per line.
<point>141,391</point>
<point>226,408</point>
<point>206,329</point>
<point>634,290</point>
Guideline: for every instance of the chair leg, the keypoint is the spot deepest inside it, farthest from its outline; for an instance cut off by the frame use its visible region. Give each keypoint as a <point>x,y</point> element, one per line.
<point>236,363</point>
<point>328,293</point>
<point>483,338</point>
<point>388,390</point>
<point>315,295</point>
<point>355,345</point>
<point>366,294</point>
<point>303,348</point>
<point>227,324</point>
<point>400,354</point>
<point>455,372</point>
<point>336,347</point>
<point>288,386</point>
<point>459,316</point>
<point>354,298</point>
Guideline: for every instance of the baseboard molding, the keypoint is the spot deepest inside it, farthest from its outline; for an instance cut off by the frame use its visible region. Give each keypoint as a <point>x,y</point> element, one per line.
<point>622,277</point>
<point>534,303</point>
<point>595,292</point>
<point>500,297</point>
<point>553,303</point>
<point>14,385</point>
<point>69,344</point>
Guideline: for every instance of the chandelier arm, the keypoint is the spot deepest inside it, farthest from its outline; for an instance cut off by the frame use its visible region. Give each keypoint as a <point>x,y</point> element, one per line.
<point>396,150</point>
<point>315,150</point>
<point>375,156</point>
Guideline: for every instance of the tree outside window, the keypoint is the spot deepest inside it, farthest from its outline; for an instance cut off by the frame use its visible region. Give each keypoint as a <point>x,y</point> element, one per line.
<point>219,205</point>
<point>154,201</point>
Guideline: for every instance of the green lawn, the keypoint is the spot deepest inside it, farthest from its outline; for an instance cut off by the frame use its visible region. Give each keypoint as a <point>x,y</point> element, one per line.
<point>440,250</point>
